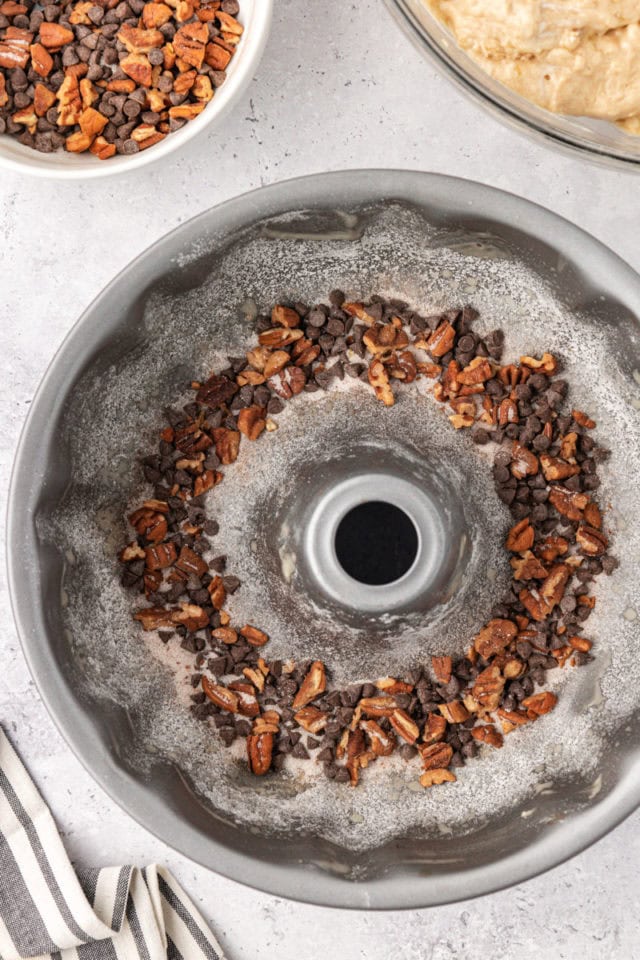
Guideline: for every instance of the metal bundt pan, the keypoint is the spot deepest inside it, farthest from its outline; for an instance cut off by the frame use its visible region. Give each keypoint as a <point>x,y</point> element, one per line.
<point>89,415</point>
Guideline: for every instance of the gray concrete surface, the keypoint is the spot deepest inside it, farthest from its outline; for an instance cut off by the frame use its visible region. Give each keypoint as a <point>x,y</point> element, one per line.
<point>339,87</point>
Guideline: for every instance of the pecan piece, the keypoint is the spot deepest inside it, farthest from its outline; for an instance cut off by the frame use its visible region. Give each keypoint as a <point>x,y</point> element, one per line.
<point>404,726</point>
<point>524,463</point>
<point>555,583</point>
<point>191,616</point>
<point>312,718</point>
<point>380,742</point>
<point>191,563</point>
<point>520,536</point>
<point>493,638</point>
<point>583,420</point>
<point>279,336</point>
<point>435,777</point>
<point>442,668</point>
<point>137,40</point>
<point>260,752</point>
<point>527,567</point>
<point>54,36</point>
<point>379,380</point>
<point>441,340</point>
<point>534,603</point>
<point>592,542</point>
<point>553,547</point>
<point>257,638</point>
<point>154,617</point>
<point>247,701</point>
<point>216,391</point>
<point>274,363</point>
<point>487,733</point>
<point>488,688</point>
<point>156,15</point>
<point>220,695</point>
<point>41,60</point>
<point>477,371</point>
<point>510,719</point>
<point>160,555</point>
<point>540,703</point>
<point>252,421</point>
<point>383,338</point>
<point>289,382</point>
<point>547,364</point>
<point>282,316</point>
<point>227,443</point>
<point>434,728</point>
<point>454,712</point>
<point>312,686</point>
<point>378,706</point>
<point>435,756</point>
<point>554,468</point>
<point>225,635</point>
<point>138,67</point>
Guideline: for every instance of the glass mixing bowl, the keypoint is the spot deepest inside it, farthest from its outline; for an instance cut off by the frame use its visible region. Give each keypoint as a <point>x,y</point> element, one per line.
<point>598,140</point>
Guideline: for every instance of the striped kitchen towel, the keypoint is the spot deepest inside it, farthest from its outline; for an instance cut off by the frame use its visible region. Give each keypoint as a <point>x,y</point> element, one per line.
<point>49,911</point>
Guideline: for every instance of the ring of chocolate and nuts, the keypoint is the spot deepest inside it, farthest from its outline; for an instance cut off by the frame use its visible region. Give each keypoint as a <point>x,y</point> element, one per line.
<point>110,76</point>
<point>545,470</point>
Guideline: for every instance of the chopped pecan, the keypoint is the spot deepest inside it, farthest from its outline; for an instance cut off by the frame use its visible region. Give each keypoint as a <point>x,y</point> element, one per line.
<point>520,536</point>
<point>441,340</point>
<point>380,742</point>
<point>312,686</point>
<point>257,638</point>
<point>41,59</point>
<point>592,515</point>
<point>70,101</point>
<point>312,718</point>
<point>547,364</point>
<point>156,15</point>
<point>378,706</point>
<point>555,583</point>
<point>493,638</point>
<point>434,729</point>
<point>432,778</point>
<point>220,695</point>
<point>454,712</point>
<point>275,362</point>
<point>524,463</point>
<point>403,366</point>
<point>191,616</point>
<point>383,338</point>
<point>138,67</point>
<point>568,446</point>
<point>227,444</point>
<point>442,668</point>
<point>554,468</point>
<point>256,677</point>
<point>393,686</point>
<point>217,593</point>
<point>282,316</point>
<point>488,688</point>
<point>260,752</point>
<point>279,336</point>
<point>528,567</point>
<point>252,421</point>
<point>592,542</point>
<point>137,40</point>
<point>289,382</point>
<point>583,420</point>
<point>477,371</point>
<point>540,703</point>
<point>487,733</point>
<point>404,726</point>
<point>534,603</point>
<point>508,412</point>
<point>154,617</point>
<point>146,135</point>
<point>191,563</point>
<point>379,380</point>
<point>358,310</point>
<point>161,555</point>
<point>553,547</point>
<point>510,719</point>
<point>435,756</point>
<point>225,634</point>
<point>248,705</point>
<point>54,36</point>
<point>185,111</point>
<point>92,122</point>
<point>216,392</point>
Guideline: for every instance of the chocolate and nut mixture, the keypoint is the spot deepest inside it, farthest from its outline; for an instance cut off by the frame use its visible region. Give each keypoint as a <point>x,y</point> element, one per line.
<point>545,470</point>
<point>110,76</point>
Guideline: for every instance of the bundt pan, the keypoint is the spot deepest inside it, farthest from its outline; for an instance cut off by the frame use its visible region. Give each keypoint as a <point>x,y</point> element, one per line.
<point>119,696</point>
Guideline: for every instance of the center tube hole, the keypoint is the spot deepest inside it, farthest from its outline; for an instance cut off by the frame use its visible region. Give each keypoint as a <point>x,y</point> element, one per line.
<point>376,543</point>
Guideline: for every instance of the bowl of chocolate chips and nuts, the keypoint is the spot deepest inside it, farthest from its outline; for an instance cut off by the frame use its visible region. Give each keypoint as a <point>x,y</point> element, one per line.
<point>94,87</point>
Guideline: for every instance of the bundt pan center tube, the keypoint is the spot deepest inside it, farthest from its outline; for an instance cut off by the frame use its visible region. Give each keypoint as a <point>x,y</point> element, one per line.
<point>296,526</point>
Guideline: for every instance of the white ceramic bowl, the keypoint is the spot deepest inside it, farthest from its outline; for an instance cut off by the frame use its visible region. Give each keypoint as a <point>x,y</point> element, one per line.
<point>255,15</point>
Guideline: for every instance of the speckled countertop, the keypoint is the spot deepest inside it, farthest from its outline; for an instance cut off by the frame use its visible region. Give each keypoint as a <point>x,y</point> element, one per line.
<point>339,87</point>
